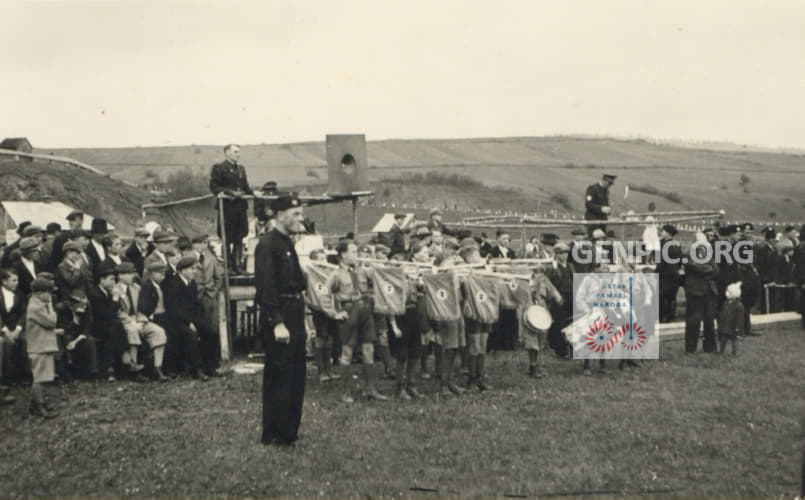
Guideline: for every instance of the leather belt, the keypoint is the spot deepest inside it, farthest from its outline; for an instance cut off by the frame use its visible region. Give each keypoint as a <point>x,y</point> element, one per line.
<point>290,296</point>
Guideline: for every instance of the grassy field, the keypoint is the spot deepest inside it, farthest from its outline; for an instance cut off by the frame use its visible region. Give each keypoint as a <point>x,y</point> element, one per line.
<point>681,427</point>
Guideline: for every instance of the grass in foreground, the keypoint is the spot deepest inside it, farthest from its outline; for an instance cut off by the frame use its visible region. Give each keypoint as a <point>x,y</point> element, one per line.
<point>681,427</point>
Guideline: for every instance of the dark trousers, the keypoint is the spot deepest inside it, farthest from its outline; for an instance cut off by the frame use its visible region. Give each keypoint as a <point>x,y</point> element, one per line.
<point>187,347</point>
<point>562,316</point>
<point>409,345</point>
<point>505,332</point>
<point>748,299</point>
<point>802,307</point>
<point>172,358</point>
<point>284,375</point>
<point>209,348</point>
<point>668,304</point>
<point>700,311</point>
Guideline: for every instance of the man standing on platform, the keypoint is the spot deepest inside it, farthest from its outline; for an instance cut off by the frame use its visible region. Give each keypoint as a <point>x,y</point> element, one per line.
<point>228,179</point>
<point>596,203</point>
<point>279,284</point>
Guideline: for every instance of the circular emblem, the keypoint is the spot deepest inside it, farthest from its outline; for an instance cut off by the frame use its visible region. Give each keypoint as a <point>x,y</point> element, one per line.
<point>633,340</point>
<point>513,285</point>
<point>441,294</point>
<point>481,296</point>
<point>599,336</point>
<point>388,288</point>
<point>320,287</point>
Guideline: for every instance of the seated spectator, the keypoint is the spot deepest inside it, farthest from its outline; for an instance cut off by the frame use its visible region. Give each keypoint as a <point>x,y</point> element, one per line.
<point>113,246</point>
<point>186,315</point>
<point>104,300</point>
<point>138,327</point>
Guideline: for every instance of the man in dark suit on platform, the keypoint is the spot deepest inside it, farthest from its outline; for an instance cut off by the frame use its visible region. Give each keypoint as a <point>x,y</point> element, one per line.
<point>229,178</point>
<point>596,202</point>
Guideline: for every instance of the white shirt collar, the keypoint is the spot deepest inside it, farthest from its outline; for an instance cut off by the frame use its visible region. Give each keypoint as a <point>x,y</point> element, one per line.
<point>8,297</point>
<point>186,282</point>
<point>99,248</point>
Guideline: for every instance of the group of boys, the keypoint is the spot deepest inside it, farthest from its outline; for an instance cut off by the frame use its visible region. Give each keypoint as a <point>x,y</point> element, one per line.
<point>77,304</point>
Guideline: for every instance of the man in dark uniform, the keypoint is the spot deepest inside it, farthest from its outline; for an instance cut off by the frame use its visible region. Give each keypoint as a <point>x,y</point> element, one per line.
<point>751,287</point>
<point>765,260</point>
<point>596,202</point>
<point>799,273</point>
<point>669,273</point>
<point>228,178</point>
<point>262,208</point>
<point>279,282</point>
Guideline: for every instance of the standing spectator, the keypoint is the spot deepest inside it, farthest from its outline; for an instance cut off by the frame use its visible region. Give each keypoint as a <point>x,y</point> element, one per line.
<point>42,346</point>
<point>27,266</point>
<point>561,276</point>
<point>782,298</point>
<point>701,295</point>
<point>765,259</point>
<point>228,178</point>
<point>139,249</point>
<point>209,281</point>
<point>731,318</point>
<point>394,238</point>
<point>12,346</point>
<point>596,203</point>
<point>799,273</point>
<point>95,250</point>
<point>75,221</point>
<point>9,255</point>
<point>435,223</point>
<point>668,272</point>
<point>53,231</point>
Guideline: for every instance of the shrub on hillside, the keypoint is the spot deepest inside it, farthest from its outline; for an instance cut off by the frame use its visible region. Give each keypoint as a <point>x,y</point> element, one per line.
<point>151,174</point>
<point>562,200</point>
<point>186,184</point>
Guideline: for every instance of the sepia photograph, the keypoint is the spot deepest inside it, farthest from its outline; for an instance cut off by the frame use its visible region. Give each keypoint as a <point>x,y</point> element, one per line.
<point>416,250</point>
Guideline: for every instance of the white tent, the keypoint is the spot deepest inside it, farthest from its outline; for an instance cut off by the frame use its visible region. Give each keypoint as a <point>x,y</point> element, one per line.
<point>39,213</point>
<point>385,223</point>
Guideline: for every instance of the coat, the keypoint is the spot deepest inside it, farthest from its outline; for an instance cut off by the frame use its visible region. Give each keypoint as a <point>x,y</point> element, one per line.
<point>11,314</point>
<point>394,239</point>
<point>148,299</point>
<point>25,276</point>
<point>210,276</point>
<point>497,252</point>
<point>226,178</point>
<point>152,258</point>
<point>700,279</point>
<point>137,257</point>
<point>72,281</point>
<point>182,303</point>
<point>40,326</point>
<point>106,324</point>
<point>596,198</point>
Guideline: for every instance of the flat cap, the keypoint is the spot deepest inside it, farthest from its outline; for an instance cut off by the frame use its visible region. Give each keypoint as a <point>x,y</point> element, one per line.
<point>21,227</point>
<point>561,247</point>
<point>164,237</point>
<point>610,177</point>
<point>769,232</point>
<point>126,267</point>
<point>53,227</point>
<point>41,285</point>
<point>269,187</point>
<point>157,267</point>
<point>286,202</point>
<point>141,232</point>
<point>451,243</point>
<point>200,238</point>
<point>46,276</point>
<point>32,230</point>
<point>747,226</point>
<point>70,246</point>
<point>75,214</point>
<point>185,262</point>
<point>549,238</point>
<point>28,245</point>
<point>106,269</point>
<point>469,243</point>
<point>670,229</point>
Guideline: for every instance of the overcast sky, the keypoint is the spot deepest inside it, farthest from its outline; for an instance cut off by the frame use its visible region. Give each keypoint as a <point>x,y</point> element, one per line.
<point>75,74</point>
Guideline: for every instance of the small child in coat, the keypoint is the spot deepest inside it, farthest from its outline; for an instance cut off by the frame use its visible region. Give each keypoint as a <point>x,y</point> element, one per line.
<point>41,337</point>
<point>731,318</point>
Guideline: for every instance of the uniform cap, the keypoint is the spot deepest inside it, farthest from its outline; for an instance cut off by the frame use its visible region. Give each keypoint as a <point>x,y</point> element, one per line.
<point>285,202</point>
<point>157,267</point>
<point>32,230</point>
<point>28,245</point>
<point>70,246</point>
<point>125,267</point>
<point>185,262</point>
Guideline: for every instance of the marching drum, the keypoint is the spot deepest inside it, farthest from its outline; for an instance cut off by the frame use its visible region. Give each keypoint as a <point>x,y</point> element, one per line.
<point>537,319</point>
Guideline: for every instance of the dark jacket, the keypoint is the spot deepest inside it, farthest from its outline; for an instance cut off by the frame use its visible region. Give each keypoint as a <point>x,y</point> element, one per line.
<point>731,318</point>
<point>394,239</point>
<point>783,271</point>
<point>106,324</point>
<point>700,279</point>
<point>148,299</point>
<point>596,198</point>
<point>668,272</point>
<point>11,314</point>
<point>497,253</point>
<point>25,276</point>
<point>227,178</point>
<point>182,303</point>
<point>72,281</point>
<point>765,260</point>
<point>136,257</point>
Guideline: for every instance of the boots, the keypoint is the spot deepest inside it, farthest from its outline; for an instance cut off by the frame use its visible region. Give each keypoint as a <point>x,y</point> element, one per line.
<point>473,376</point>
<point>447,372</point>
<point>322,371</point>
<point>371,389</point>
<point>159,375</point>
<point>480,368</point>
<point>37,407</point>
<point>411,376</point>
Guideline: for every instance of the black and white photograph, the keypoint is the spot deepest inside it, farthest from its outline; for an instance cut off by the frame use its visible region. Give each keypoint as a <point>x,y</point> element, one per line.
<point>426,249</point>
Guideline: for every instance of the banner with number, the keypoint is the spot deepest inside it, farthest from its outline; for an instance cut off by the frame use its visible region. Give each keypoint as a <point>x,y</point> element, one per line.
<point>514,293</point>
<point>481,298</point>
<point>319,297</point>
<point>442,296</point>
<point>390,290</point>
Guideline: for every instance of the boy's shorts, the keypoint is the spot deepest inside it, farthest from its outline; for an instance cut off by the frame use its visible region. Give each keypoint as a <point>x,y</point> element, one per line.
<point>450,334</point>
<point>359,327</point>
<point>42,367</point>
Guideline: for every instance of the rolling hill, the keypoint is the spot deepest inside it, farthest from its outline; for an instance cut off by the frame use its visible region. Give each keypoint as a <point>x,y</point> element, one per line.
<point>541,173</point>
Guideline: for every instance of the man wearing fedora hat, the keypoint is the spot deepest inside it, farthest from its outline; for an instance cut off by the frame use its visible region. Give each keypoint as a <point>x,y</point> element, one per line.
<point>228,179</point>
<point>596,202</point>
<point>27,267</point>
<point>75,221</point>
<point>95,250</point>
<point>279,283</point>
